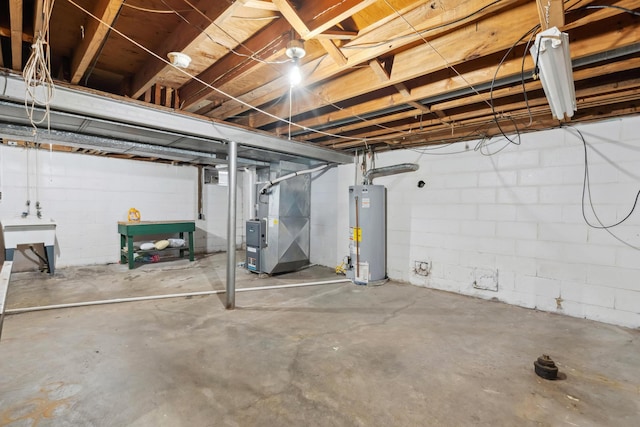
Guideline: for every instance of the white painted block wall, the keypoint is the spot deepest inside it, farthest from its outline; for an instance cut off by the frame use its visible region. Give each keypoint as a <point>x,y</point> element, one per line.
<point>87,195</point>
<point>516,216</point>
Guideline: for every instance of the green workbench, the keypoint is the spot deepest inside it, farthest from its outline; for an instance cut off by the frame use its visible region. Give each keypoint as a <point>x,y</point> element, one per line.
<point>129,230</point>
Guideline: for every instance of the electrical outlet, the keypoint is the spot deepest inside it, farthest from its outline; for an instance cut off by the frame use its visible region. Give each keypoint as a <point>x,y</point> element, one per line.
<point>422,268</point>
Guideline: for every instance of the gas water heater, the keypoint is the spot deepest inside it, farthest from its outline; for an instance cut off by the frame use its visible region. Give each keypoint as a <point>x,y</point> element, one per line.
<point>367,241</point>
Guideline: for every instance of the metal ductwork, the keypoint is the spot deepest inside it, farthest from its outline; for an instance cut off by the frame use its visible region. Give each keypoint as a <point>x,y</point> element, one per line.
<point>371,174</point>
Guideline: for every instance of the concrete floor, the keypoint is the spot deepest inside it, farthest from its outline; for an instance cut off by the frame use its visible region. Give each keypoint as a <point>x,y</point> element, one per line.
<point>330,355</point>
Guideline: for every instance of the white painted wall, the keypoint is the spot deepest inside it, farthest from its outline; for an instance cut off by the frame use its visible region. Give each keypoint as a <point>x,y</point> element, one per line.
<point>517,215</point>
<point>88,195</point>
<point>212,231</point>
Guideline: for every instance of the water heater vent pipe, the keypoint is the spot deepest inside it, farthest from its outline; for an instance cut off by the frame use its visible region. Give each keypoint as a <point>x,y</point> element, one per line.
<point>371,174</point>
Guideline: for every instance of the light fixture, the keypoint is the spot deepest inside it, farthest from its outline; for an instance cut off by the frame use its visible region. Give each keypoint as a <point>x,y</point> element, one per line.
<point>179,59</point>
<point>552,59</point>
<point>295,51</point>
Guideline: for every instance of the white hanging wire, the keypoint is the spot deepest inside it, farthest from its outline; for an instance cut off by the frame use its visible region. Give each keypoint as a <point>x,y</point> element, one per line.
<point>39,85</point>
<point>215,89</point>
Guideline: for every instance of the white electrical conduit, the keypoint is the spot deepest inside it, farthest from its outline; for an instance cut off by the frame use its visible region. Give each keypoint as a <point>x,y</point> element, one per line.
<point>270,184</point>
<point>154,297</point>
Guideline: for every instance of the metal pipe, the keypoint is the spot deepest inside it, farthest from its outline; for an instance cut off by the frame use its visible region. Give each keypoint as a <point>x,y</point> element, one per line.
<point>5,275</point>
<point>371,174</point>
<point>270,184</point>
<point>231,226</point>
<point>250,174</point>
<point>166,296</point>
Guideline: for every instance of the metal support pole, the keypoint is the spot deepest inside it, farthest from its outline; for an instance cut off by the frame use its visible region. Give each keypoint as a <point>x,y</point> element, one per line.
<point>231,226</point>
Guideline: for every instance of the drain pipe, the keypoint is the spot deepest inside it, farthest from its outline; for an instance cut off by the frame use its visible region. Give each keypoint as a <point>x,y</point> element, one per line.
<point>270,184</point>
<point>371,174</point>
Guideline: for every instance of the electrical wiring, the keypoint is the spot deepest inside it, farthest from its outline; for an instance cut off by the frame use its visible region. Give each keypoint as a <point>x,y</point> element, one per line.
<point>372,45</point>
<point>586,191</point>
<point>495,76</point>
<point>624,9</point>
<point>253,57</point>
<point>238,43</point>
<point>199,80</point>
<point>40,88</point>
<point>100,49</point>
<point>144,9</point>
<point>435,50</point>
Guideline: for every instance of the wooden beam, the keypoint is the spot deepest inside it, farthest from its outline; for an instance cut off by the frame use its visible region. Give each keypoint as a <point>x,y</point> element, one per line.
<point>267,44</point>
<point>337,35</point>
<point>6,32</point>
<point>288,11</point>
<point>257,4</point>
<point>185,35</point>
<point>628,90</point>
<point>334,52</point>
<point>290,14</point>
<point>459,13</point>
<point>423,108</point>
<point>491,36</point>
<point>402,90</point>
<point>323,15</point>
<point>38,17</point>
<point>15,12</point>
<point>95,34</point>
<point>478,77</point>
<point>551,13</point>
<point>379,70</point>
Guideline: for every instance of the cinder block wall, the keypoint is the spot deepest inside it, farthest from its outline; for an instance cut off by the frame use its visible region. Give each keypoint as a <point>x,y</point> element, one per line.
<point>512,223</point>
<point>87,195</point>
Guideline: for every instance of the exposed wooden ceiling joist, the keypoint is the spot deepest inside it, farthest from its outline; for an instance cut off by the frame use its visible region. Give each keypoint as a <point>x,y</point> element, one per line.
<point>94,36</point>
<point>375,69</point>
<point>551,13</point>
<point>409,64</point>
<point>15,13</point>
<point>187,36</point>
<point>368,45</point>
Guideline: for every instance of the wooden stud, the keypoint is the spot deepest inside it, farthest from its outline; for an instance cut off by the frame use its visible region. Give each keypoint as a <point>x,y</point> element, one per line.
<point>257,4</point>
<point>379,70</point>
<point>15,12</point>
<point>157,94</point>
<point>167,96</point>
<point>337,35</point>
<point>38,17</point>
<point>551,13</point>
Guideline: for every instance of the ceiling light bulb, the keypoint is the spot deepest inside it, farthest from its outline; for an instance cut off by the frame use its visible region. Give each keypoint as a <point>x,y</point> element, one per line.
<point>295,76</point>
<point>179,59</point>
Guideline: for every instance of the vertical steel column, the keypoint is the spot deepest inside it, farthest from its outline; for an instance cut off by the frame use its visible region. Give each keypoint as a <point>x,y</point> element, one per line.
<point>231,226</point>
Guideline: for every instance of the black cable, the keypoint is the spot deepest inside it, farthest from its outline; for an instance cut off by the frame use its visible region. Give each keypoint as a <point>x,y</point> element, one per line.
<point>586,189</point>
<point>624,9</point>
<point>100,49</point>
<point>493,82</point>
